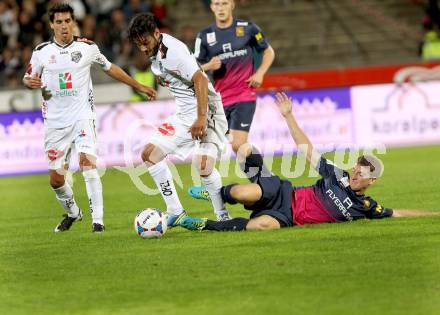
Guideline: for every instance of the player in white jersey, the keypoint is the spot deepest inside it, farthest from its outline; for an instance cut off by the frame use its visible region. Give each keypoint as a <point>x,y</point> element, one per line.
<point>199,119</point>
<point>61,69</point>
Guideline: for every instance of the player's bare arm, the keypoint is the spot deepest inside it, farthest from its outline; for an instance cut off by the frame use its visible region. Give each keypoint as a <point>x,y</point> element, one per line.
<point>32,82</point>
<point>214,64</point>
<point>119,74</point>
<point>198,129</point>
<point>256,79</point>
<point>302,141</point>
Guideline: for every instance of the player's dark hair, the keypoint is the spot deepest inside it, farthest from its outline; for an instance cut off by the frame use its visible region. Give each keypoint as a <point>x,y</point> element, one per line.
<point>142,24</point>
<point>60,8</point>
<point>375,165</point>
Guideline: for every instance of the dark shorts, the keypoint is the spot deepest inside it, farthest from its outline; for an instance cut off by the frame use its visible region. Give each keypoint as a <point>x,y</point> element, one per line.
<point>276,200</point>
<point>240,115</point>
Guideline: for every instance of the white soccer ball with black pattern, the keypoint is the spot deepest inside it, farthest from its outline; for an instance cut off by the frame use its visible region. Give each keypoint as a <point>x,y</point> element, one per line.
<point>150,223</point>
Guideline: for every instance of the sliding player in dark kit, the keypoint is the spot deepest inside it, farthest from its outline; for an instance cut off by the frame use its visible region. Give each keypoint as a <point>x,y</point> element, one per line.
<point>275,203</point>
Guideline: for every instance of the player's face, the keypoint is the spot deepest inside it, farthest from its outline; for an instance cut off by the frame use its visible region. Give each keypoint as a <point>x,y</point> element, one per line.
<point>148,44</point>
<point>360,178</point>
<point>222,9</point>
<point>63,26</point>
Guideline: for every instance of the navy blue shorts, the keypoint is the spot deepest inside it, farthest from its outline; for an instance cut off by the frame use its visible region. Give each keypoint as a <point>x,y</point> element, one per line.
<point>276,200</point>
<point>240,115</point>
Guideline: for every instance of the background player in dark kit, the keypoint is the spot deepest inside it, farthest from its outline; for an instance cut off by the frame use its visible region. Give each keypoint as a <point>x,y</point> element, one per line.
<point>226,51</point>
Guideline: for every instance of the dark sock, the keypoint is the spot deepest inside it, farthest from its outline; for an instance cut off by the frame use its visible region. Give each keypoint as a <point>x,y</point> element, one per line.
<point>235,224</point>
<point>225,192</point>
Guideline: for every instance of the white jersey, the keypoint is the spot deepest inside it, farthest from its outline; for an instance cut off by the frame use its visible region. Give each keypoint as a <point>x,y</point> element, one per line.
<point>174,66</point>
<point>65,72</point>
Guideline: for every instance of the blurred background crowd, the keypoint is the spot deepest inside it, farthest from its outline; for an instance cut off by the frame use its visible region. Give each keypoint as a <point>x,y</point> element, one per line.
<point>24,24</point>
<point>319,39</point>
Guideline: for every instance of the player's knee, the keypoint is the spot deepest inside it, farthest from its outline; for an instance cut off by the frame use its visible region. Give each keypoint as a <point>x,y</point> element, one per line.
<point>238,193</point>
<point>57,181</point>
<point>205,165</point>
<point>86,161</point>
<point>147,154</point>
<point>237,145</point>
<point>261,225</point>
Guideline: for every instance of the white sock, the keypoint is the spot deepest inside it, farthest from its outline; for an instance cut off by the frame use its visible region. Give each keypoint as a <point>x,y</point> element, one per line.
<point>213,184</point>
<point>94,192</point>
<point>164,182</point>
<point>64,195</point>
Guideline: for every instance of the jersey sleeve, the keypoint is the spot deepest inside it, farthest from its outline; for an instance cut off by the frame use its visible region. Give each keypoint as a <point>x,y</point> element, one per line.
<point>258,39</point>
<point>327,168</point>
<point>200,51</point>
<point>186,64</point>
<point>376,211</point>
<point>99,59</point>
<point>35,66</point>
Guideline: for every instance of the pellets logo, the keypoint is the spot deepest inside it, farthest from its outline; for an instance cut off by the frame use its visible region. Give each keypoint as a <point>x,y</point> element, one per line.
<point>65,80</point>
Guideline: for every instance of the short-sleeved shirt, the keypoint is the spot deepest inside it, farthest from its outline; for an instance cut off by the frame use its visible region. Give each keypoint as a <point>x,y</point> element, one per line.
<point>234,46</point>
<point>174,66</point>
<point>342,203</point>
<point>65,72</point>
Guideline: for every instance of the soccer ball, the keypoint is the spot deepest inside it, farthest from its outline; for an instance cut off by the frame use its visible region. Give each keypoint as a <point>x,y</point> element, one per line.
<point>150,223</point>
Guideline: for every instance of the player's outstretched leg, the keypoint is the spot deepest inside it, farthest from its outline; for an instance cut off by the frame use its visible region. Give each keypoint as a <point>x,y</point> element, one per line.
<point>159,170</point>
<point>198,224</point>
<point>261,223</point>
<point>246,194</point>
<point>64,195</point>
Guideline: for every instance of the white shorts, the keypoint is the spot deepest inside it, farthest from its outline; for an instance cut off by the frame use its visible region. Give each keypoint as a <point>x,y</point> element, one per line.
<point>173,137</point>
<point>59,142</point>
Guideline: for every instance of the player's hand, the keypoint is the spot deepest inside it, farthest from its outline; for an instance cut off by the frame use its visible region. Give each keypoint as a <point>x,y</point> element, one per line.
<point>198,128</point>
<point>150,92</point>
<point>284,103</point>
<point>255,80</point>
<point>33,82</point>
<point>215,63</point>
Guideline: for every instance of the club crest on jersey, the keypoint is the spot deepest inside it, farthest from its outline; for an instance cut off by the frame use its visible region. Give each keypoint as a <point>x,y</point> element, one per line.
<point>239,31</point>
<point>52,59</point>
<point>366,204</point>
<point>211,39</point>
<point>76,56</point>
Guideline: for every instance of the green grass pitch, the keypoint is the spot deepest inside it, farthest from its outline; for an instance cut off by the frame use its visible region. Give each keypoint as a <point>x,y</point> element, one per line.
<point>389,266</point>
